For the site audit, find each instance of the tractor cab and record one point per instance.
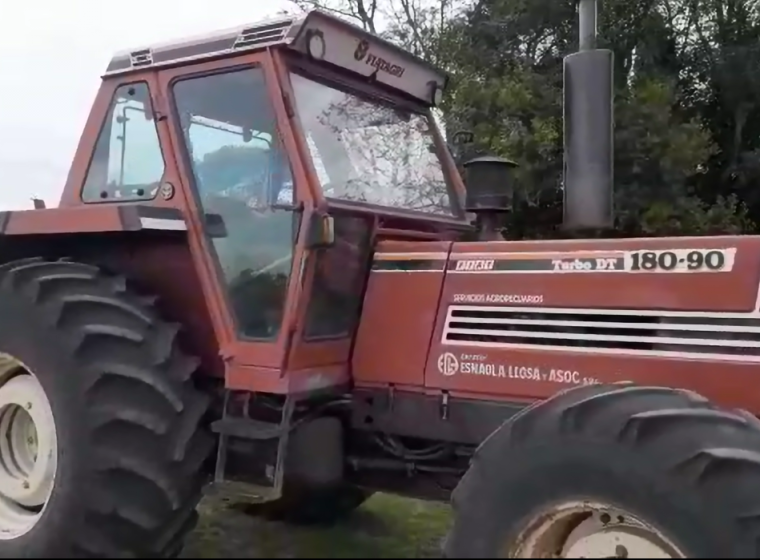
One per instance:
(292, 147)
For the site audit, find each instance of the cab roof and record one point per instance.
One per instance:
(317, 34)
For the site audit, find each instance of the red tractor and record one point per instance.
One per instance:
(257, 282)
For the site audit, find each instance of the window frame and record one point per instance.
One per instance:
(365, 253)
(109, 115)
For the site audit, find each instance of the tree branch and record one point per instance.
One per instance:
(351, 9)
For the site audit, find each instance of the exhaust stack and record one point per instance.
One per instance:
(588, 129)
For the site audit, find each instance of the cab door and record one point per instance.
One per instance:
(327, 312)
(229, 125)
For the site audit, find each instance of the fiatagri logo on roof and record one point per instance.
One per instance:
(363, 54)
(332, 41)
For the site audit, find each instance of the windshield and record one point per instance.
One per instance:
(368, 152)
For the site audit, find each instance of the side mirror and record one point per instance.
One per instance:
(215, 226)
(321, 232)
(462, 137)
(460, 142)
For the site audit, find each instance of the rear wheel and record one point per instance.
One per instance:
(101, 444)
(606, 472)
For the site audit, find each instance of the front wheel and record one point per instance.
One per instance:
(613, 472)
(101, 435)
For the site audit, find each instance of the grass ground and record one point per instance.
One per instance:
(385, 527)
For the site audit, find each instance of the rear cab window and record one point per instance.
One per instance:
(127, 163)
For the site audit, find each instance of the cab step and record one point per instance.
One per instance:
(247, 428)
(251, 453)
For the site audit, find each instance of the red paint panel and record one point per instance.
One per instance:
(84, 219)
(734, 291)
(504, 371)
(726, 383)
(399, 316)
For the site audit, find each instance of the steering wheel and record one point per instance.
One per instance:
(226, 205)
(236, 213)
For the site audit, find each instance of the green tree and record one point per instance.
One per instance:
(508, 89)
(720, 52)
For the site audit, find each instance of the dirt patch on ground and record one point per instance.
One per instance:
(385, 527)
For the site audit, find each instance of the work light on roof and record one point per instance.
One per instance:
(316, 44)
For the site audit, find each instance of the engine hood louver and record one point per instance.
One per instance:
(606, 331)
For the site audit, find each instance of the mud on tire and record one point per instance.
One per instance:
(131, 445)
(666, 456)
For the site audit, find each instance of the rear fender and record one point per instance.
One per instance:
(147, 244)
(92, 219)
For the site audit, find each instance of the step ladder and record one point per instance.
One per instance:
(254, 474)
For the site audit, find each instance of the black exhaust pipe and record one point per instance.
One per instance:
(588, 129)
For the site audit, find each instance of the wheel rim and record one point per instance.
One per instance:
(589, 530)
(28, 449)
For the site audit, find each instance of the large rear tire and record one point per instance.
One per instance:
(117, 462)
(613, 471)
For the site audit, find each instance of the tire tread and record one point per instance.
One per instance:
(87, 307)
(692, 441)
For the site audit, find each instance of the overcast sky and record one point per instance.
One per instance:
(51, 57)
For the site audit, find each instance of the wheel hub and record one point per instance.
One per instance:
(590, 530)
(614, 535)
(28, 451)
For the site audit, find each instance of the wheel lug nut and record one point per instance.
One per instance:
(26, 485)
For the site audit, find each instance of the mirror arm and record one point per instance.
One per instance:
(297, 207)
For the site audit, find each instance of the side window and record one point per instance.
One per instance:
(339, 280)
(127, 163)
(241, 172)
